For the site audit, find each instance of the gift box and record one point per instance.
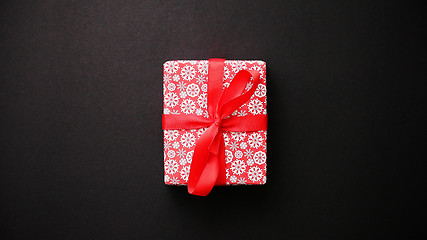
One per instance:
(191, 90)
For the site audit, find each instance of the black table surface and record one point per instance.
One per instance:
(81, 103)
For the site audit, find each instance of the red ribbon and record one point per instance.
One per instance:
(208, 164)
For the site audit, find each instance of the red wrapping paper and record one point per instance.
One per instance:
(185, 93)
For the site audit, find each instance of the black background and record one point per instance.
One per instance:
(81, 103)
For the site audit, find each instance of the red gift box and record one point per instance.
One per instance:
(187, 86)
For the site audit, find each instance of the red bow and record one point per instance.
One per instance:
(208, 164)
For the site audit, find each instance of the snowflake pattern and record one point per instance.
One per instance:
(238, 154)
(185, 93)
(228, 156)
(260, 157)
(188, 140)
(171, 166)
(170, 135)
(171, 99)
(236, 66)
(189, 156)
(185, 172)
(202, 100)
(203, 67)
(193, 90)
(255, 174)
(171, 153)
(182, 86)
(188, 106)
(261, 90)
(188, 73)
(255, 107)
(255, 140)
(238, 167)
(175, 78)
(238, 136)
(171, 67)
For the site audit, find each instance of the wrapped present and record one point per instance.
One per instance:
(214, 123)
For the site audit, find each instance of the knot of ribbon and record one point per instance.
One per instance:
(208, 164)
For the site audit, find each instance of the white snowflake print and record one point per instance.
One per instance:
(174, 181)
(166, 111)
(226, 139)
(193, 90)
(249, 153)
(202, 100)
(171, 99)
(225, 85)
(167, 146)
(188, 106)
(167, 178)
(226, 73)
(171, 67)
(171, 166)
(255, 140)
(238, 154)
(204, 87)
(200, 79)
(241, 181)
(176, 78)
(255, 174)
(255, 107)
(185, 172)
(203, 67)
(200, 131)
(249, 85)
(241, 113)
(238, 136)
(171, 153)
(188, 140)
(228, 156)
(175, 145)
(199, 112)
(171, 87)
(167, 79)
(233, 146)
(183, 94)
(243, 145)
(261, 90)
(170, 135)
(189, 157)
(206, 115)
(181, 153)
(181, 86)
(188, 73)
(182, 161)
(174, 112)
(260, 157)
(227, 174)
(237, 66)
(238, 167)
(250, 162)
(264, 179)
(233, 179)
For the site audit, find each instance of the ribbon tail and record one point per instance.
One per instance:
(221, 179)
(204, 166)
